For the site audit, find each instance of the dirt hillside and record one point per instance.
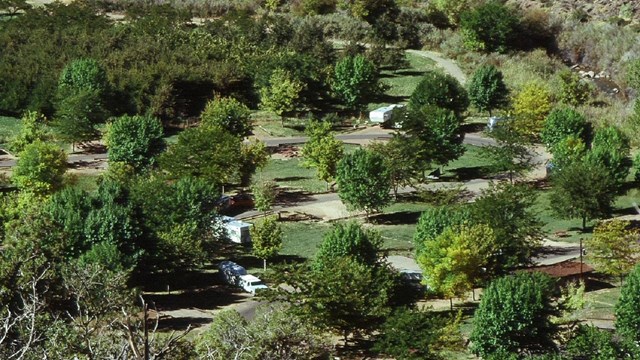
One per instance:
(628, 10)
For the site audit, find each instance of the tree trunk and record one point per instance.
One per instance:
(264, 264)
(451, 303)
(584, 223)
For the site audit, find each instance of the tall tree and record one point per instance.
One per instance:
(582, 190)
(610, 148)
(282, 94)
(510, 153)
(266, 239)
(355, 81)
(514, 316)
(614, 248)
(40, 168)
(441, 90)
(229, 114)
(452, 263)
(628, 307)
(435, 220)
(210, 153)
(398, 154)
(363, 181)
(497, 37)
(33, 129)
(508, 210)
(264, 193)
(134, 140)
(253, 156)
(531, 106)
(349, 240)
(563, 122)
(322, 151)
(487, 90)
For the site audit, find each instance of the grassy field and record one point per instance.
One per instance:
(471, 165)
(289, 174)
(302, 239)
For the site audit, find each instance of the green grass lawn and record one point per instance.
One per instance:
(288, 173)
(302, 238)
(266, 123)
(471, 165)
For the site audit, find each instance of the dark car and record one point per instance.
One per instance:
(244, 201)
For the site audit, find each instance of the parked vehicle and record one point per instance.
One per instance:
(237, 231)
(494, 122)
(244, 201)
(251, 284)
(223, 203)
(231, 272)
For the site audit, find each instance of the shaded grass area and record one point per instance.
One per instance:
(471, 165)
(289, 173)
(266, 123)
(402, 82)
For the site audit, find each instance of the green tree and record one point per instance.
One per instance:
(282, 95)
(497, 37)
(264, 193)
(33, 129)
(322, 151)
(610, 149)
(508, 210)
(452, 263)
(435, 220)
(253, 156)
(567, 151)
(531, 106)
(266, 239)
(441, 90)
(614, 248)
(410, 334)
(561, 123)
(228, 114)
(487, 90)
(363, 181)
(628, 307)
(514, 316)
(510, 153)
(210, 153)
(349, 240)
(582, 190)
(13, 7)
(590, 342)
(398, 154)
(573, 90)
(134, 140)
(452, 9)
(40, 168)
(355, 81)
(276, 332)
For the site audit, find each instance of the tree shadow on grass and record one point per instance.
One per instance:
(205, 299)
(470, 172)
(290, 198)
(396, 218)
(291, 178)
(391, 99)
(179, 280)
(473, 128)
(625, 211)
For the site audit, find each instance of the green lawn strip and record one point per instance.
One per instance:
(472, 164)
(289, 174)
(301, 238)
(267, 124)
(599, 305)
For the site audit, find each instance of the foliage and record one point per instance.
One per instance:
(487, 90)
(253, 156)
(441, 90)
(573, 90)
(452, 263)
(40, 168)
(508, 210)
(363, 181)
(266, 238)
(355, 81)
(567, 151)
(435, 220)
(610, 149)
(582, 190)
(77, 116)
(80, 75)
(633, 74)
(398, 154)
(452, 9)
(283, 93)
(275, 333)
(264, 194)
(410, 334)
(590, 342)
(348, 240)
(228, 114)
(210, 153)
(628, 307)
(488, 27)
(563, 122)
(134, 140)
(33, 129)
(510, 153)
(614, 249)
(531, 106)
(514, 316)
(322, 151)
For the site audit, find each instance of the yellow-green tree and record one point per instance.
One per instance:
(267, 239)
(530, 107)
(453, 261)
(282, 94)
(614, 247)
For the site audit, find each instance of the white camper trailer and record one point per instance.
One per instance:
(383, 114)
(237, 231)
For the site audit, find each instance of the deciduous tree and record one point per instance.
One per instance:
(574, 91)
(228, 114)
(563, 122)
(40, 168)
(441, 90)
(497, 37)
(134, 140)
(531, 106)
(349, 240)
(33, 129)
(610, 149)
(282, 94)
(510, 153)
(266, 238)
(355, 81)
(487, 90)
(264, 194)
(628, 307)
(363, 181)
(614, 248)
(322, 151)
(253, 156)
(514, 316)
(434, 221)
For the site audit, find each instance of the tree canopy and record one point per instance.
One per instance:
(135, 140)
(497, 36)
(363, 181)
(487, 90)
(441, 90)
(40, 168)
(355, 81)
(228, 114)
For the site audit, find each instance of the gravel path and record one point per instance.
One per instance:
(448, 65)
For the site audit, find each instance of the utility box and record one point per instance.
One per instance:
(237, 231)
